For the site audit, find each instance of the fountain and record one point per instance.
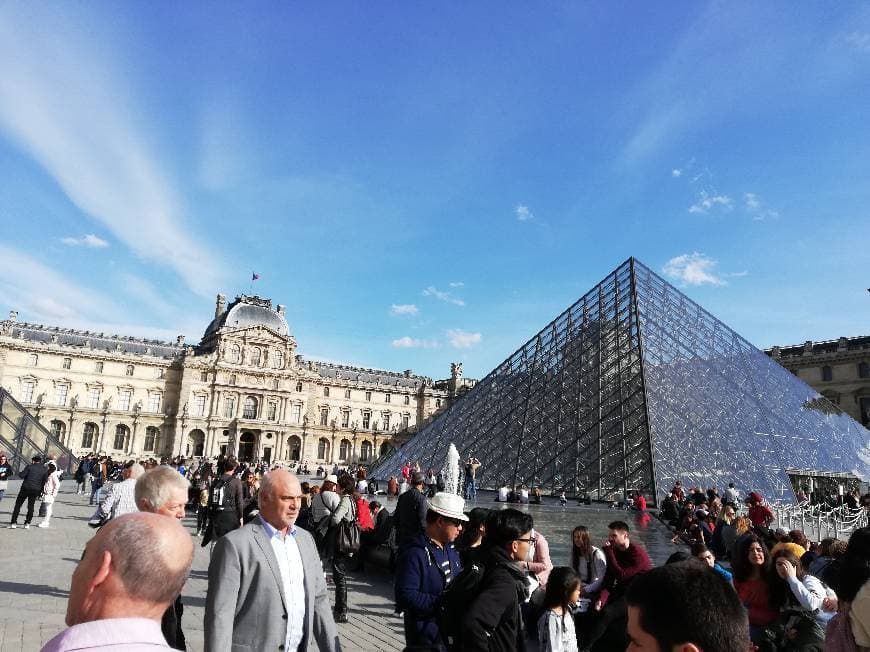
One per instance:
(450, 471)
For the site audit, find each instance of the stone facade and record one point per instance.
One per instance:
(243, 389)
(837, 369)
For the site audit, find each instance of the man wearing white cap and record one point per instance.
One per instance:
(426, 566)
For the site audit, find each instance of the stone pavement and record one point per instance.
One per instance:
(38, 565)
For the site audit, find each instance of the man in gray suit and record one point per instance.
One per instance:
(266, 589)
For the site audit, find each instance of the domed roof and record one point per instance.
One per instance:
(245, 312)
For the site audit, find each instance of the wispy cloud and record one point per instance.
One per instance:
(858, 40)
(64, 106)
(676, 173)
(523, 213)
(460, 339)
(87, 240)
(693, 269)
(442, 296)
(457, 284)
(411, 343)
(756, 208)
(404, 309)
(706, 202)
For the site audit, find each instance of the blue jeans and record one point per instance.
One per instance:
(470, 490)
(96, 490)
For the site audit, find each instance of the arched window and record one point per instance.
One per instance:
(385, 448)
(299, 386)
(827, 373)
(129, 370)
(322, 448)
(250, 411)
(365, 451)
(58, 429)
(278, 360)
(196, 442)
(344, 450)
(256, 355)
(89, 435)
(32, 360)
(151, 434)
(121, 434)
(295, 445)
(863, 370)
(234, 353)
(326, 392)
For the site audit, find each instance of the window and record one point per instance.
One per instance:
(344, 450)
(299, 386)
(863, 370)
(405, 420)
(407, 400)
(234, 353)
(324, 416)
(827, 373)
(250, 411)
(89, 435)
(387, 398)
(161, 374)
(98, 367)
(345, 418)
(326, 392)
(129, 370)
(437, 402)
(233, 379)
(229, 407)
(32, 360)
(67, 363)
(365, 451)
(276, 383)
(58, 429)
(94, 397)
(199, 405)
(368, 396)
(273, 411)
(150, 438)
(322, 448)
(278, 360)
(256, 355)
(367, 419)
(154, 402)
(121, 432)
(347, 393)
(203, 376)
(296, 413)
(295, 448)
(386, 421)
(124, 397)
(60, 393)
(27, 388)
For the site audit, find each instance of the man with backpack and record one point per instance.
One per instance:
(425, 568)
(225, 503)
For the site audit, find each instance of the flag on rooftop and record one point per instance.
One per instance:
(255, 276)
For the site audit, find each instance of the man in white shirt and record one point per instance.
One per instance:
(732, 495)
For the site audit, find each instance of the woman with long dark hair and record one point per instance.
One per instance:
(800, 597)
(750, 563)
(588, 562)
(854, 589)
(469, 540)
(346, 511)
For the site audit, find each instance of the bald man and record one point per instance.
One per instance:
(266, 589)
(128, 575)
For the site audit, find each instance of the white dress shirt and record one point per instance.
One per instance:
(292, 579)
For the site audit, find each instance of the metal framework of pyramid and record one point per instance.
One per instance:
(633, 387)
(22, 437)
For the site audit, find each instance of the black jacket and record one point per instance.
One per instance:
(493, 622)
(34, 476)
(410, 515)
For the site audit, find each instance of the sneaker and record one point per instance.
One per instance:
(340, 618)
(27, 526)
(42, 525)
(12, 526)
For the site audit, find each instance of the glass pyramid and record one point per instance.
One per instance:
(633, 387)
(22, 437)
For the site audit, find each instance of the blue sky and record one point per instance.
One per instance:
(429, 183)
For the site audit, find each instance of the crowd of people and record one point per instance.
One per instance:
(480, 579)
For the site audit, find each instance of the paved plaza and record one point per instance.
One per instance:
(38, 565)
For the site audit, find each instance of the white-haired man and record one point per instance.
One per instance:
(129, 573)
(163, 490)
(266, 589)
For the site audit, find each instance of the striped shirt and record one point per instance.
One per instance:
(120, 499)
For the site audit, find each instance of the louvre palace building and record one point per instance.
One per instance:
(242, 389)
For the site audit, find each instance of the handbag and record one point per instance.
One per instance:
(348, 535)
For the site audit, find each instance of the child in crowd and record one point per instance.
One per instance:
(556, 631)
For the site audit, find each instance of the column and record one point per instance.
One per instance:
(302, 448)
(132, 437)
(179, 435)
(69, 435)
(102, 437)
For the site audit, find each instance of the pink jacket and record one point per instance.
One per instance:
(50, 488)
(540, 563)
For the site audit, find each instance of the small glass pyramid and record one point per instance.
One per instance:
(633, 387)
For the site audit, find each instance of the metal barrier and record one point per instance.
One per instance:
(820, 520)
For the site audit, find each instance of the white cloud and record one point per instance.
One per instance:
(693, 269)
(457, 284)
(859, 40)
(676, 173)
(404, 309)
(460, 339)
(63, 105)
(752, 202)
(706, 202)
(87, 240)
(410, 343)
(442, 296)
(523, 213)
(755, 207)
